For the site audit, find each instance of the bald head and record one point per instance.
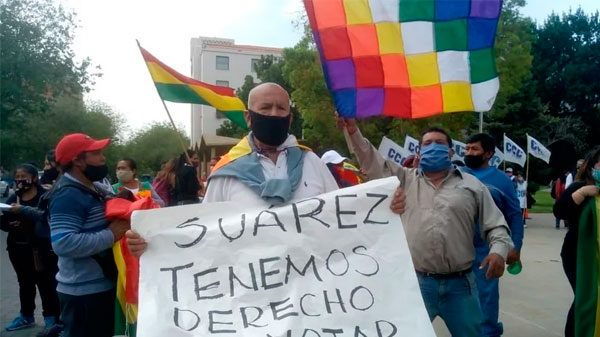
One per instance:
(269, 99)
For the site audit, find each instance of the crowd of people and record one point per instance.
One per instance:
(463, 223)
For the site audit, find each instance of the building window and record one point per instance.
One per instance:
(254, 65)
(221, 114)
(223, 62)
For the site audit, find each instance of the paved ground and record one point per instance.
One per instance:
(533, 304)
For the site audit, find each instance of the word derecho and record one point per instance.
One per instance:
(316, 267)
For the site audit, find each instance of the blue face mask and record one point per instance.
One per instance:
(435, 158)
(596, 175)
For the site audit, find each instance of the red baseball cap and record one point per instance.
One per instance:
(70, 146)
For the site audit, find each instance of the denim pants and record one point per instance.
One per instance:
(455, 300)
(488, 295)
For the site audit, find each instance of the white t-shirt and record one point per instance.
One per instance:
(522, 193)
(316, 179)
(568, 180)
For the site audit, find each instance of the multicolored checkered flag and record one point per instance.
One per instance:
(407, 58)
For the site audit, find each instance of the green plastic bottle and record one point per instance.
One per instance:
(515, 268)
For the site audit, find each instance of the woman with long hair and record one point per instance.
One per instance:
(164, 183)
(32, 257)
(572, 206)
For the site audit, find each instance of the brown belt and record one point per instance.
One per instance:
(445, 275)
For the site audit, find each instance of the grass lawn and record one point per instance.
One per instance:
(544, 202)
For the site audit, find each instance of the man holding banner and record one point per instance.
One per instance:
(480, 149)
(267, 167)
(442, 206)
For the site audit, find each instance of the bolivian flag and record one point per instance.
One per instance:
(587, 300)
(128, 265)
(174, 87)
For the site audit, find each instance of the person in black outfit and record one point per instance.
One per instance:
(569, 207)
(31, 256)
(187, 184)
(51, 172)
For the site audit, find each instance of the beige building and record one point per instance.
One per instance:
(221, 62)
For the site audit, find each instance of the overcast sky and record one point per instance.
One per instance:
(108, 30)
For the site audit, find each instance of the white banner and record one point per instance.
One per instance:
(388, 149)
(497, 158)
(411, 145)
(459, 150)
(514, 153)
(334, 265)
(538, 150)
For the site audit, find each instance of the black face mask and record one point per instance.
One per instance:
(474, 161)
(23, 185)
(95, 173)
(50, 175)
(271, 130)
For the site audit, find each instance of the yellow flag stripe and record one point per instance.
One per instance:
(223, 103)
(160, 75)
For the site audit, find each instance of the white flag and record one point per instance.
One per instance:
(411, 144)
(388, 149)
(513, 153)
(497, 158)
(538, 150)
(459, 150)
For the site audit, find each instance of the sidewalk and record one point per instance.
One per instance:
(533, 303)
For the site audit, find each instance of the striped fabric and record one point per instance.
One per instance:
(174, 87)
(587, 296)
(127, 265)
(241, 149)
(79, 230)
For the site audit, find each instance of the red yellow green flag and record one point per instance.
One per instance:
(127, 265)
(587, 301)
(242, 148)
(174, 87)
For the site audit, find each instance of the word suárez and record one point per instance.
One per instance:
(273, 218)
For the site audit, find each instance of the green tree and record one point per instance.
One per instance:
(38, 72)
(150, 154)
(565, 68)
(40, 133)
(514, 41)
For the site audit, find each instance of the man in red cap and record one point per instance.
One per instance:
(82, 238)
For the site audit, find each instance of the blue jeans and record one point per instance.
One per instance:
(488, 295)
(455, 300)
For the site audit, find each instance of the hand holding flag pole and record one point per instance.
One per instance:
(346, 135)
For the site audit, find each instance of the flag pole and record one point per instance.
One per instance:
(348, 141)
(527, 170)
(480, 121)
(181, 142)
(504, 142)
(346, 135)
